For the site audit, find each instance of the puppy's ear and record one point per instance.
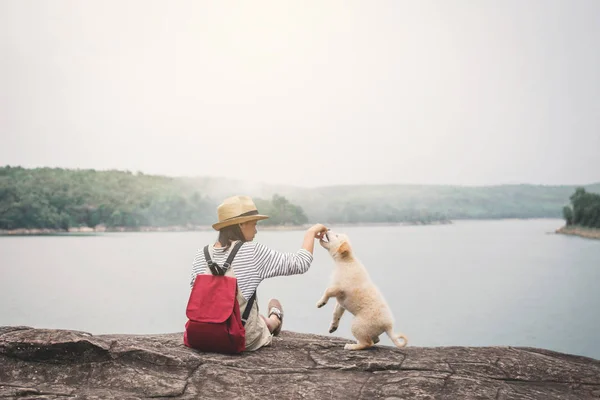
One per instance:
(344, 250)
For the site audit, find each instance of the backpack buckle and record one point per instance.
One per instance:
(226, 265)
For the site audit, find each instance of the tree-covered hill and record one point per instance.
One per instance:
(57, 198)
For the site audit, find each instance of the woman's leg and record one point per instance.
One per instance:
(275, 317)
(272, 322)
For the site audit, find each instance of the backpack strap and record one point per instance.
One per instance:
(249, 305)
(214, 267)
(234, 251)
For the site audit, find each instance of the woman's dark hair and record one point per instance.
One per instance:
(229, 234)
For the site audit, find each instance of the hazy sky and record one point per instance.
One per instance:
(308, 92)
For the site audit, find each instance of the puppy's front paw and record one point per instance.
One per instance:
(321, 303)
(332, 328)
(348, 346)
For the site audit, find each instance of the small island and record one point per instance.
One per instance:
(582, 217)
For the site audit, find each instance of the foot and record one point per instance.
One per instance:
(321, 303)
(357, 346)
(333, 328)
(276, 309)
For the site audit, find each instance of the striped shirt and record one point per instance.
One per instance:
(253, 263)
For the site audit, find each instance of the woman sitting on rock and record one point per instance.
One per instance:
(253, 263)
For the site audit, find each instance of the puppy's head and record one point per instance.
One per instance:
(337, 244)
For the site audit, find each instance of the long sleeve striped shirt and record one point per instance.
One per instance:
(253, 263)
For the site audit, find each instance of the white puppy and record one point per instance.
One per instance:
(355, 292)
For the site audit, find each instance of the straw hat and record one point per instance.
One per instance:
(236, 210)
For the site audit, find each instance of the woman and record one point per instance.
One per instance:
(253, 263)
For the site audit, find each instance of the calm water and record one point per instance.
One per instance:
(473, 283)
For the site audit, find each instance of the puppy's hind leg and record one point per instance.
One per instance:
(360, 330)
(337, 314)
(358, 346)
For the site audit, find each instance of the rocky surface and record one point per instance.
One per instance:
(60, 364)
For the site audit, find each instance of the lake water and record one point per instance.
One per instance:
(472, 283)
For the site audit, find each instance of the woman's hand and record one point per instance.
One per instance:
(318, 230)
(314, 232)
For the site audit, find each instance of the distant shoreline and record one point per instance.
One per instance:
(581, 231)
(197, 228)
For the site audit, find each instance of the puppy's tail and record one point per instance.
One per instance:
(396, 338)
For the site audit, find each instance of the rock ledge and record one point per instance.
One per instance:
(62, 364)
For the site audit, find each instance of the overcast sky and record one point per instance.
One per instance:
(306, 93)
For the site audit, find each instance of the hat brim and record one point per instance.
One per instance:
(238, 220)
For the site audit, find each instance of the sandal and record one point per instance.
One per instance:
(275, 308)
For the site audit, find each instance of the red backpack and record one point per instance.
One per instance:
(213, 312)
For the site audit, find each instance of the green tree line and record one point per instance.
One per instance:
(62, 198)
(54, 198)
(59, 199)
(281, 211)
(584, 209)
